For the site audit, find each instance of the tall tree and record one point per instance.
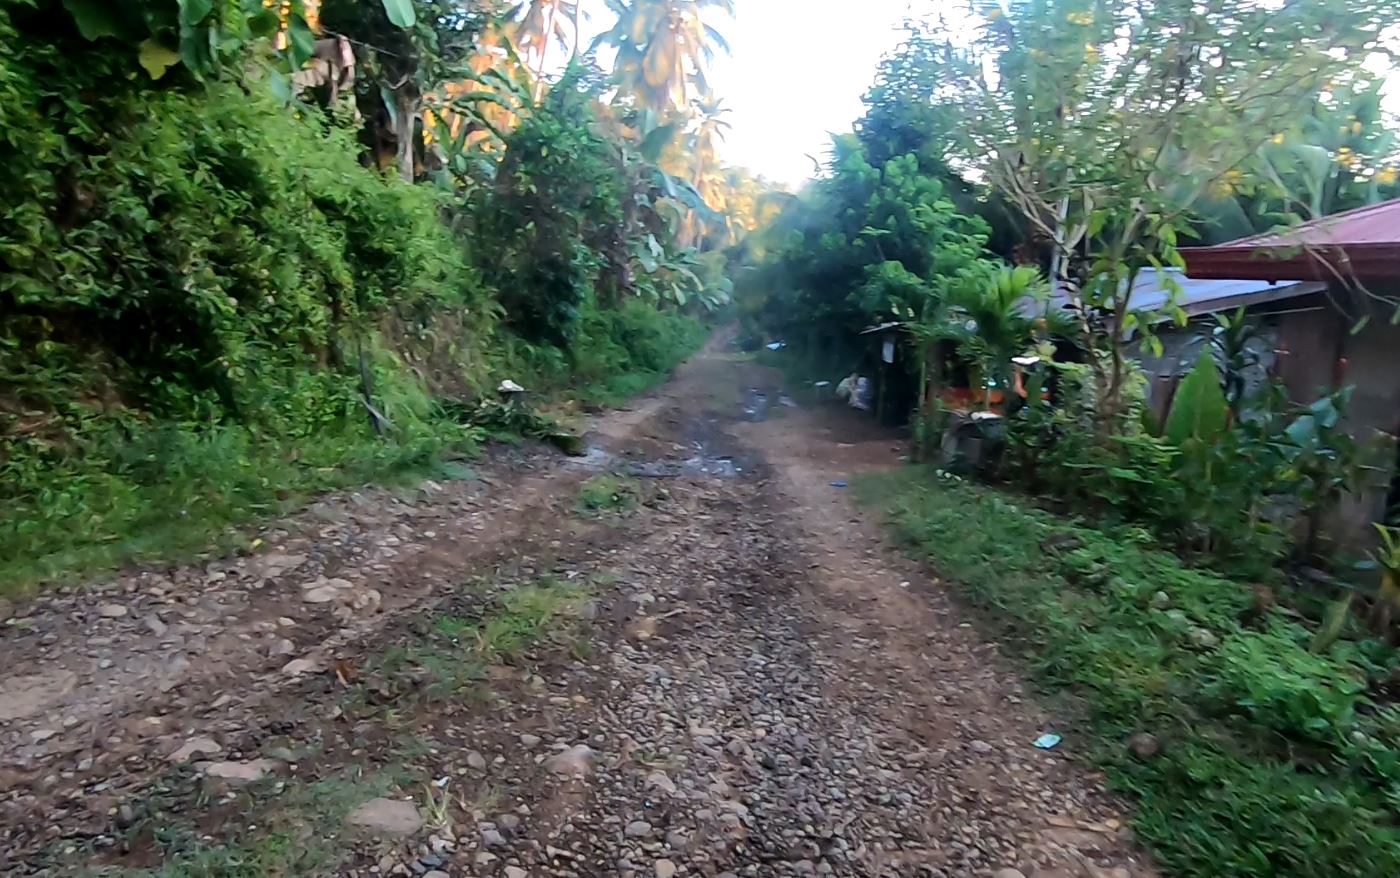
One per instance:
(1339, 155)
(706, 170)
(709, 133)
(664, 49)
(1106, 123)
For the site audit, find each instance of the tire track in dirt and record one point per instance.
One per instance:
(100, 684)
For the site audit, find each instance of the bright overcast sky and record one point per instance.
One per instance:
(796, 74)
(797, 70)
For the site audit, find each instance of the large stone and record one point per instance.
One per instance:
(281, 647)
(389, 816)
(1144, 745)
(363, 600)
(321, 594)
(665, 869)
(278, 563)
(195, 747)
(29, 694)
(111, 611)
(297, 667)
(1202, 638)
(241, 772)
(577, 761)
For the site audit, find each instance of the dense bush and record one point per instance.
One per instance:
(191, 316)
(194, 246)
(615, 352)
(1274, 759)
(869, 243)
(557, 185)
(210, 307)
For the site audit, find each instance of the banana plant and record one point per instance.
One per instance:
(468, 118)
(1387, 559)
(1322, 461)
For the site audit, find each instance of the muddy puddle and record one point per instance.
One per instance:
(711, 452)
(702, 463)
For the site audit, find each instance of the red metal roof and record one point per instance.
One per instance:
(1361, 244)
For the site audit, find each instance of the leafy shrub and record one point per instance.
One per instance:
(615, 353)
(1205, 492)
(1285, 689)
(1273, 760)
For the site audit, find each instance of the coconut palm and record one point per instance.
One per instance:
(709, 133)
(706, 171)
(543, 22)
(664, 49)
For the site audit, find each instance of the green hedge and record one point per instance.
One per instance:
(1274, 760)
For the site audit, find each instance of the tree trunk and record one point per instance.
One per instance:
(538, 90)
(406, 130)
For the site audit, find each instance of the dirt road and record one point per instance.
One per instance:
(719, 669)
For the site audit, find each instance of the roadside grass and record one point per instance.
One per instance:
(298, 833)
(280, 827)
(618, 389)
(609, 494)
(520, 619)
(176, 496)
(1272, 759)
(169, 493)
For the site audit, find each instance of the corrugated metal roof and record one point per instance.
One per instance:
(1153, 288)
(1372, 224)
(1361, 244)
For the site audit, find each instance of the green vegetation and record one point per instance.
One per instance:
(213, 304)
(1012, 179)
(525, 616)
(451, 653)
(291, 833)
(1273, 758)
(609, 494)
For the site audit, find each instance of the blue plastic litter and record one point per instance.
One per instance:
(1047, 741)
(838, 484)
